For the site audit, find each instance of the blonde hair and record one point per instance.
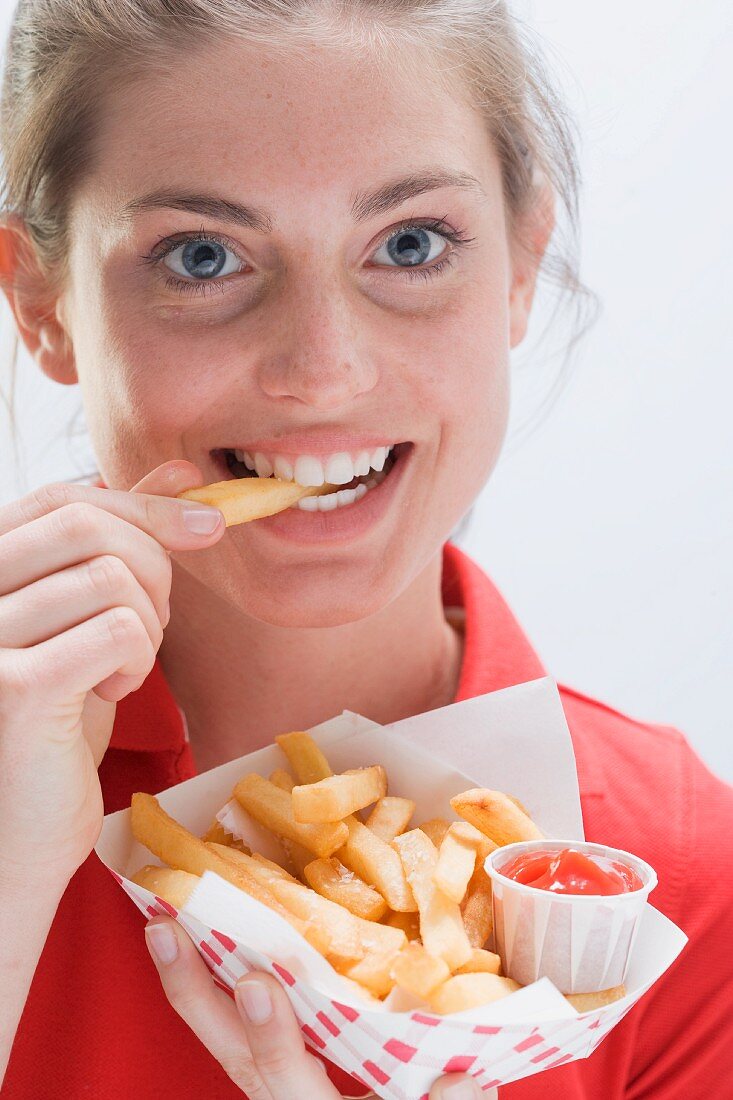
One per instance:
(63, 57)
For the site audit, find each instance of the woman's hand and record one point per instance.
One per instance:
(256, 1038)
(85, 580)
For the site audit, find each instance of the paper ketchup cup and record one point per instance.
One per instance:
(581, 942)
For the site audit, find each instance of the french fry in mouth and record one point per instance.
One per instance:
(244, 499)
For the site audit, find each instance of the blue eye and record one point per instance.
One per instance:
(202, 259)
(410, 247)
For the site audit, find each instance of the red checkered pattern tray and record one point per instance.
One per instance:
(398, 1055)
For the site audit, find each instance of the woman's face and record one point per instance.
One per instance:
(261, 261)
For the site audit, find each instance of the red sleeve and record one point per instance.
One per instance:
(684, 1038)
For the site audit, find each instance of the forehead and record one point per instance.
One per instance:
(276, 127)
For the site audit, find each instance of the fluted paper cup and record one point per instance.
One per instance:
(581, 942)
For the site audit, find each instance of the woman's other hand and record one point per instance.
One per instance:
(85, 578)
(256, 1038)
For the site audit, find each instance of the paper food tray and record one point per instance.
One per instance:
(514, 740)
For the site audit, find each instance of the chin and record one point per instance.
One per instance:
(306, 594)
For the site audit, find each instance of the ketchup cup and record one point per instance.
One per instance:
(581, 942)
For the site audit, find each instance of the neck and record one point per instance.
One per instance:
(240, 682)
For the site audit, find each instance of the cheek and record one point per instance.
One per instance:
(467, 387)
(145, 393)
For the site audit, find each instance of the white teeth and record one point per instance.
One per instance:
(283, 469)
(340, 469)
(308, 471)
(361, 466)
(360, 490)
(378, 458)
(346, 496)
(308, 504)
(262, 465)
(327, 503)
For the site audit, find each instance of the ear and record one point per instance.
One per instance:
(532, 236)
(34, 302)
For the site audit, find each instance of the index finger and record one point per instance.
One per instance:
(150, 505)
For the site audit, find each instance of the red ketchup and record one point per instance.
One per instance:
(572, 872)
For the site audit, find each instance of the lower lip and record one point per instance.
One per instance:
(341, 525)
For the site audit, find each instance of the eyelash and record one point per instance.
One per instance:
(201, 286)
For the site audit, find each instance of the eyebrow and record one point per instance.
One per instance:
(365, 205)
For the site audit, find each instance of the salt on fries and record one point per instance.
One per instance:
(247, 498)
(389, 906)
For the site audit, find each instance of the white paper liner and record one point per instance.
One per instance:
(514, 740)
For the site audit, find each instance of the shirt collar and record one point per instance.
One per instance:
(496, 654)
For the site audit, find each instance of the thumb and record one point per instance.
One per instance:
(97, 719)
(460, 1087)
(170, 478)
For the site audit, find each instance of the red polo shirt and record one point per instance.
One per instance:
(98, 1025)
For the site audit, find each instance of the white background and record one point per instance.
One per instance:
(609, 525)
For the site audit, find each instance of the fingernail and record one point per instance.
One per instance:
(460, 1090)
(201, 521)
(162, 942)
(255, 1000)
(167, 613)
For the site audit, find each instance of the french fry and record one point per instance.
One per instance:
(218, 835)
(337, 796)
(477, 909)
(441, 926)
(305, 757)
(494, 814)
(170, 841)
(247, 498)
(378, 864)
(418, 972)
(172, 886)
(351, 937)
(374, 971)
(469, 991)
(473, 838)
(390, 817)
(481, 962)
(304, 903)
(272, 807)
(276, 868)
(455, 866)
(408, 922)
(332, 880)
(589, 1002)
(298, 856)
(435, 829)
(380, 938)
(282, 779)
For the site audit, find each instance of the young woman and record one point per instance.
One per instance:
(301, 238)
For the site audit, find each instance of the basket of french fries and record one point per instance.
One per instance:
(403, 905)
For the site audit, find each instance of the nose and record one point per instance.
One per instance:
(322, 359)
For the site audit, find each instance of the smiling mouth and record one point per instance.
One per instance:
(356, 474)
